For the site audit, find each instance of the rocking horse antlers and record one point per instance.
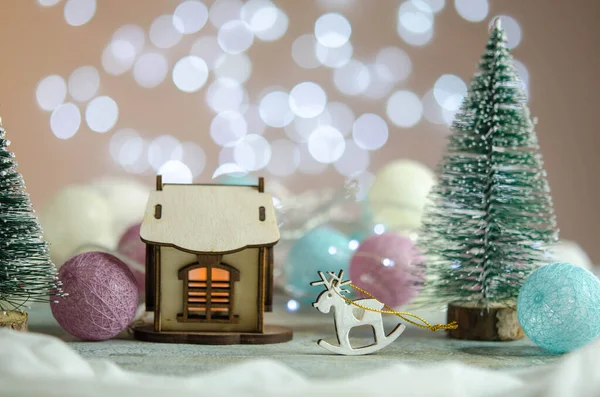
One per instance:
(335, 282)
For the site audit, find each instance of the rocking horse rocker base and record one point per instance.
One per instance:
(369, 349)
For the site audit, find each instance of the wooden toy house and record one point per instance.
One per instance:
(209, 264)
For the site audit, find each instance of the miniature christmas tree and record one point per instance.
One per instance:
(26, 272)
(490, 217)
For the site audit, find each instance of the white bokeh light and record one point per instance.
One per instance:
(194, 157)
(326, 144)
(252, 153)
(120, 54)
(332, 30)
(370, 131)
(352, 79)
(165, 31)
(51, 92)
(304, 52)
(118, 57)
(162, 149)
(225, 94)
(79, 12)
(274, 109)
(285, 158)
(511, 28)
(472, 10)
(48, 3)
(308, 164)
(414, 39)
(292, 305)
(207, 48)
(235, 37)
(133, 34)
(191, 16)
(65, 120)
(342, 117)
(415, 16)
(404, 108)
(101, 114)
(237, 67)
(393, 64)
(301, 128)
(259, 15)
(378, 86)
(354, 160)
(127, 147)
(449, 91)
(190, 73)
(174, 171)
(150, 69)
(223, 11)
(84, 83)
(307, 99)
(435, 5)
(228, 128)
(415, 22)
(277, 30)
(334, 57)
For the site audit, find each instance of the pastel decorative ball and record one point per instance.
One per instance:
(133, 248)
(389, 267)
(74, 217)
(126, 198)
(323, 248)
(102, 296)
(559, 307)
(397, 197)
(237, 180)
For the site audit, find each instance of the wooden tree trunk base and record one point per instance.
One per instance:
(484, 323)
(14, 320)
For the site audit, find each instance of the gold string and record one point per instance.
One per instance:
(389, 310)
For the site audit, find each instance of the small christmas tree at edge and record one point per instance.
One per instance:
(26, 272)
(490, 218)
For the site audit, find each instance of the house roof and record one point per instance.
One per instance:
(210, 218)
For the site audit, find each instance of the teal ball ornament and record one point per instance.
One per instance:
(559, 307)
(323, 248)
(238, 180)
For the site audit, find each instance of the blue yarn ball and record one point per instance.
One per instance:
(322, 248)
(559, 307)
(237, 180)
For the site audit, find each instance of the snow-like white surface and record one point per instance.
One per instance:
(40, 365)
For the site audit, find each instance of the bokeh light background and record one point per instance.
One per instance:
(309, 93)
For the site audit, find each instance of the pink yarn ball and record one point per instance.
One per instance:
(388, 267)
(134, 249)
(102, 296)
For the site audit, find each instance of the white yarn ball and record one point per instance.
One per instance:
(398, 194)
(127, 199)
(571, 252)
(76, 216)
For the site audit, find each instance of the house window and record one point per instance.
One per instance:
(208, 292)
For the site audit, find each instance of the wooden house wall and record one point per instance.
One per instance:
(247, 297)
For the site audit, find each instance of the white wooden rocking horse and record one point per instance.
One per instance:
(348, 316)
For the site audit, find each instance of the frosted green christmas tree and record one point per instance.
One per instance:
(26, 272)
(490, 218)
